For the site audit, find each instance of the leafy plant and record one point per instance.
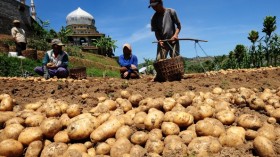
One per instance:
(106, 46)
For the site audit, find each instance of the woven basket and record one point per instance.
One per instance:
(30, 53)
(170, 69)
(78, 73)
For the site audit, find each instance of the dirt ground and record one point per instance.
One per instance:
(26, 90)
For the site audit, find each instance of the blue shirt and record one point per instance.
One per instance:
(127, 62)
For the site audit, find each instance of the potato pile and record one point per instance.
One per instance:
(186, 124)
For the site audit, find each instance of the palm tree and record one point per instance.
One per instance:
(269, 26)
(253, 37)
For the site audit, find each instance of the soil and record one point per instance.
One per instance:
(26, 90)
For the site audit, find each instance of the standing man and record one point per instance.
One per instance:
(18, 35)
(128, 63)
(163, 24)
(55, 62)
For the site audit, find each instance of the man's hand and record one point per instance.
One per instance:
(161, 43)
(125, 74)
(133, 67)
(174, 39)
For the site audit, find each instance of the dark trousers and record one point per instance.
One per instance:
(20, 47)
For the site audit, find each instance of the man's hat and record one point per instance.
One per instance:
(57, 42)
(128, 46)
(16, 21)
(154, 3)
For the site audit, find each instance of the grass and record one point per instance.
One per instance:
(97, 65)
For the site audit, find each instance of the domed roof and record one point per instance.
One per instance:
(79, 16)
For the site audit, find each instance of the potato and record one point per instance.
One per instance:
(73, 110)
(226, 117)
(187, 136)
(111, 141)
(171, 138)
(80, 129)
(122, 146)
(50, 127)
(156, 103)
(11, 148)
(256, 103)
(124, 131)
(264, 147)
(183, 119)
(184, 100)
(34, 120)
(276, 114)
(168, 104)
(4, 116)
(2, 96)
(137, 151)
(64, 120)
(34, 149)
(175, 147)
(268, 131)
(234, 136)
(178, 107)
(62, 105)
(103, 149)
(135, 99)
(91, 152)
(106, 130)
(125, 94)
(88, 144)
(155, 134)
(251, 134)
(30, 134)
(61, 136)
(249, 121)
(204, 146)
(54, 149)
(33, 106)
(205, 111)
(11, 132)
(153, 119)
(139, 137)
(125, 105)
(15, 120)
(106, 106)
(6, 104)
(103, 117)
(72, 153)
(154, 146)
(53, 110)
(221, 105)
(209, 127)
(170, 128)
(79, 147)
(139, 120)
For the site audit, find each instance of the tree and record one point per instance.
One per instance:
(269, 26)
(253, 37)
(240, 53)
(106, 46)
(64, 33)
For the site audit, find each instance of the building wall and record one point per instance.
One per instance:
(11, 10)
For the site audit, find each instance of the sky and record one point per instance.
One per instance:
(223, 23)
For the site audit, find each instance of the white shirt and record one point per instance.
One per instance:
(19, 34)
